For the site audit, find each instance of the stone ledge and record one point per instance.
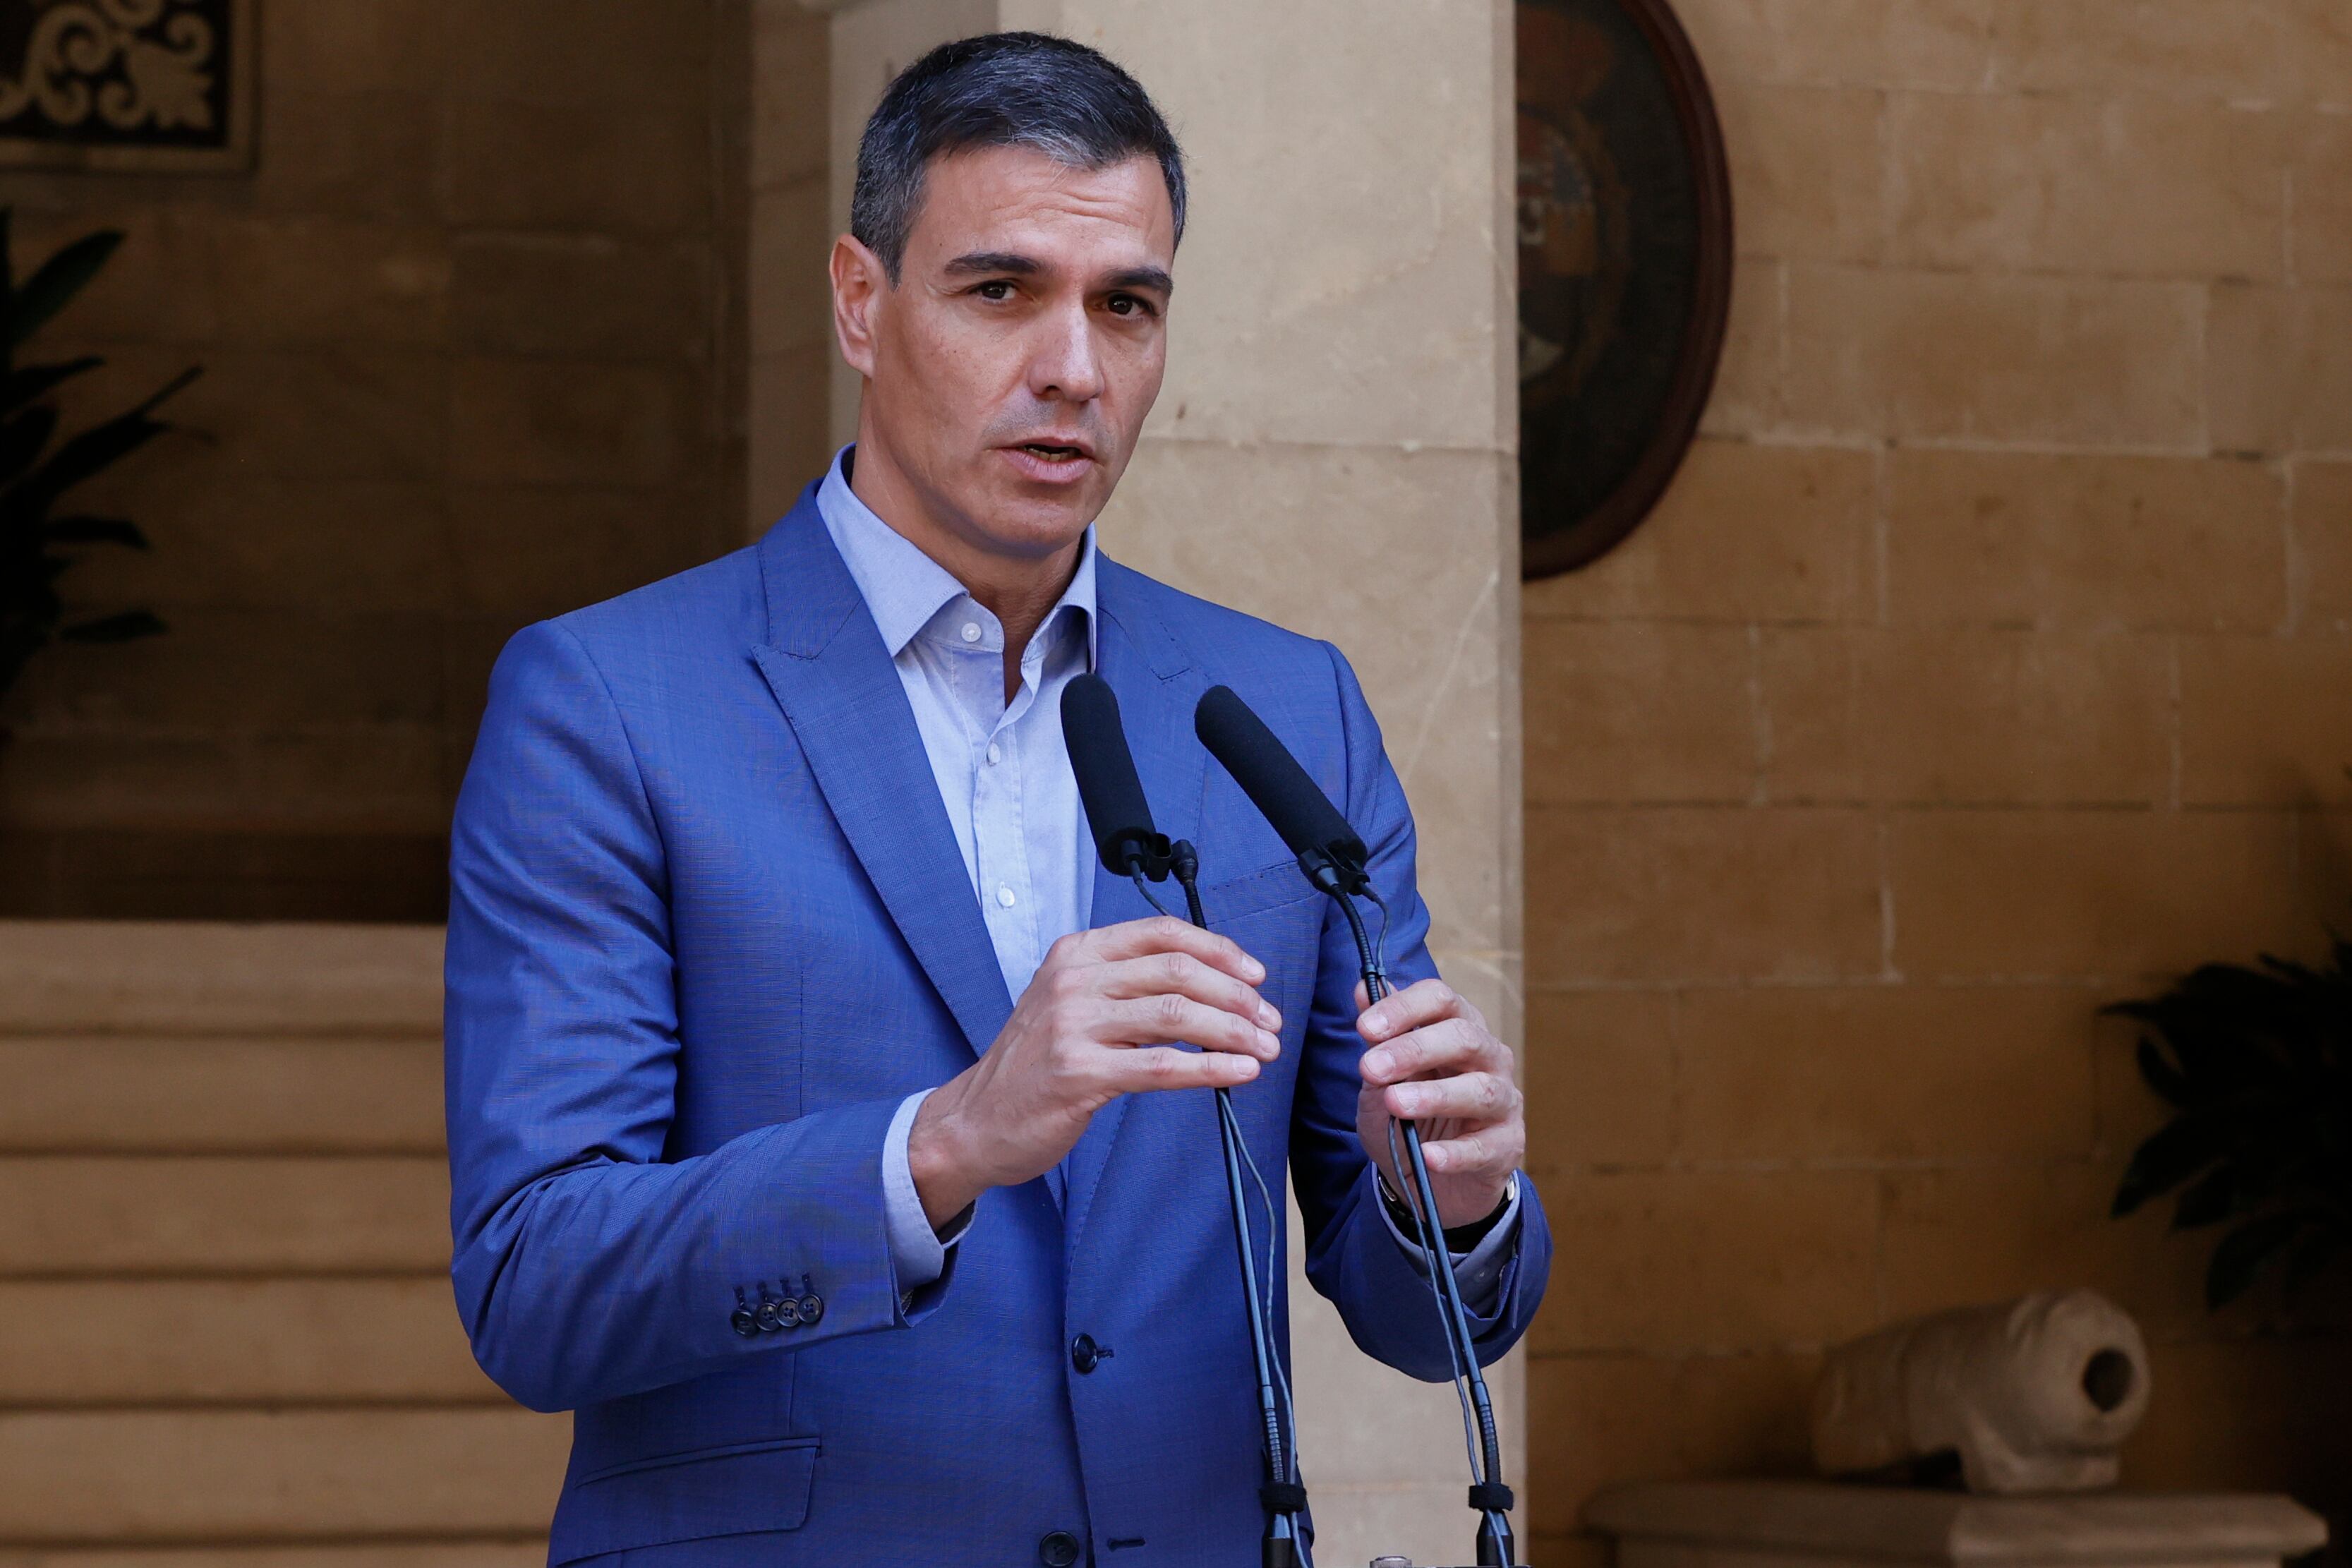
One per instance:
(1818, 1519)
(92, 976)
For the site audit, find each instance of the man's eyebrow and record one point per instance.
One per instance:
(993, 261)
(1143, 277)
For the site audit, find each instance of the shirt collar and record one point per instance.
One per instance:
(906, 589)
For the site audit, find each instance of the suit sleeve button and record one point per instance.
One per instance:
(811, 1308)
(746, 1321)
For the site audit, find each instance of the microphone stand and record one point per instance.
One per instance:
(1488, 1495)
(1282, 1495)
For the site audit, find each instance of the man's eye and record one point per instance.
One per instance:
(995, 288)
(1128, 305)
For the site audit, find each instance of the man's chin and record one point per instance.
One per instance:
(1036, 519)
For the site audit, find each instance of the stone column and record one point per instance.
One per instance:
(1335, 449)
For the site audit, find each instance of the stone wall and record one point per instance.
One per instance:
(1988, 662)
(472, 340)
(224, 1261)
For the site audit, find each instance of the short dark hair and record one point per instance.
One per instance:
(1053, 95)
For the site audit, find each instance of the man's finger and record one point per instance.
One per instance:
(1416, 1007)
(1181, 974)
(1153, 1067)
(1478, 1097)
(1495, 1149)
(1166, 933)
(1182, 1021)
(1450, 1044)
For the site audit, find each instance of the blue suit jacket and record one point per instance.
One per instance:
(709, 925)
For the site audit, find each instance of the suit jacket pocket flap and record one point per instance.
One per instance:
(735, 1490)
(1237, 899)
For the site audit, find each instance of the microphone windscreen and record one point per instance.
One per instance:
(1116, 810)
(1272, 777)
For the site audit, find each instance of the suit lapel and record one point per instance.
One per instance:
(1157, 689)
(827, 663)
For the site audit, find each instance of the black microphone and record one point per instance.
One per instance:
(1120, 816)
(1328, 850)
(1116, 808)
(1333, 854)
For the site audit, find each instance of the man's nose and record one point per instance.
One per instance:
(1064, 365)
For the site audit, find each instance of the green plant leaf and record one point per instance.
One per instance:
(2161, 1076)
(2209, 1201)
(21, 386)
(124, 627)
(2169, 1156)
(95, 531)
(56, 281)
(23, 440)
(2242, 1253)
(89, 452)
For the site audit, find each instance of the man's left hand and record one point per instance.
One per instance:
(1433, 1061)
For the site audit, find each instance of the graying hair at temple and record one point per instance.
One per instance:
(1003, 89)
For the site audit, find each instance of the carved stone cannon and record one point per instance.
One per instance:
(2034, 1394)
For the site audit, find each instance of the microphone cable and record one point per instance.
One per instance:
(1461, 1354)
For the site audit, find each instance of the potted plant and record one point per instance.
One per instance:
(39, 541)
(2257, 1066)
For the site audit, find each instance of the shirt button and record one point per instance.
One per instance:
(995, 755)
(972, 631)
(1005, 897)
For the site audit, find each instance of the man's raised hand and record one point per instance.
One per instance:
(1094, 1024)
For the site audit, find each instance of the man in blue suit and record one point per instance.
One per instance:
(822, 1123)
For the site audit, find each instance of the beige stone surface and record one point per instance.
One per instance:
(1975, 717)
(83, 1094)
(229, 1476)
(2321, 534)
(2278, 377)
(2039, 539)
(1820, 1521)
(110, 975)
(2014, 894)
(1806, 169)
(1883, 1074)
(1657, 893)
(1928, 356)
(2264, 722)
(1625, 712)
(78, 1214)
(2120, 187)
(2023, 483)
(1680, 1262)
(294, 1342)
(1609, 1079)
(1804, 548)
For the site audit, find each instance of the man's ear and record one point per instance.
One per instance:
(861, 288)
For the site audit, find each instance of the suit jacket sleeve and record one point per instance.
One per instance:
(1351, 1256)
(586, 1267)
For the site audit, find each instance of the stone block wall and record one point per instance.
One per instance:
(472, 337)
(224, 1261)
(1989, 661)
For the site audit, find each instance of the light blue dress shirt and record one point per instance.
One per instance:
(1011, 798)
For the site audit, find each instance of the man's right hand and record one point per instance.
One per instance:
(1086, 1031)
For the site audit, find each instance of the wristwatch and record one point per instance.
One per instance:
(1458, 1238)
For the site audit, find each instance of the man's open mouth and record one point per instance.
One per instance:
(1053, 452)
